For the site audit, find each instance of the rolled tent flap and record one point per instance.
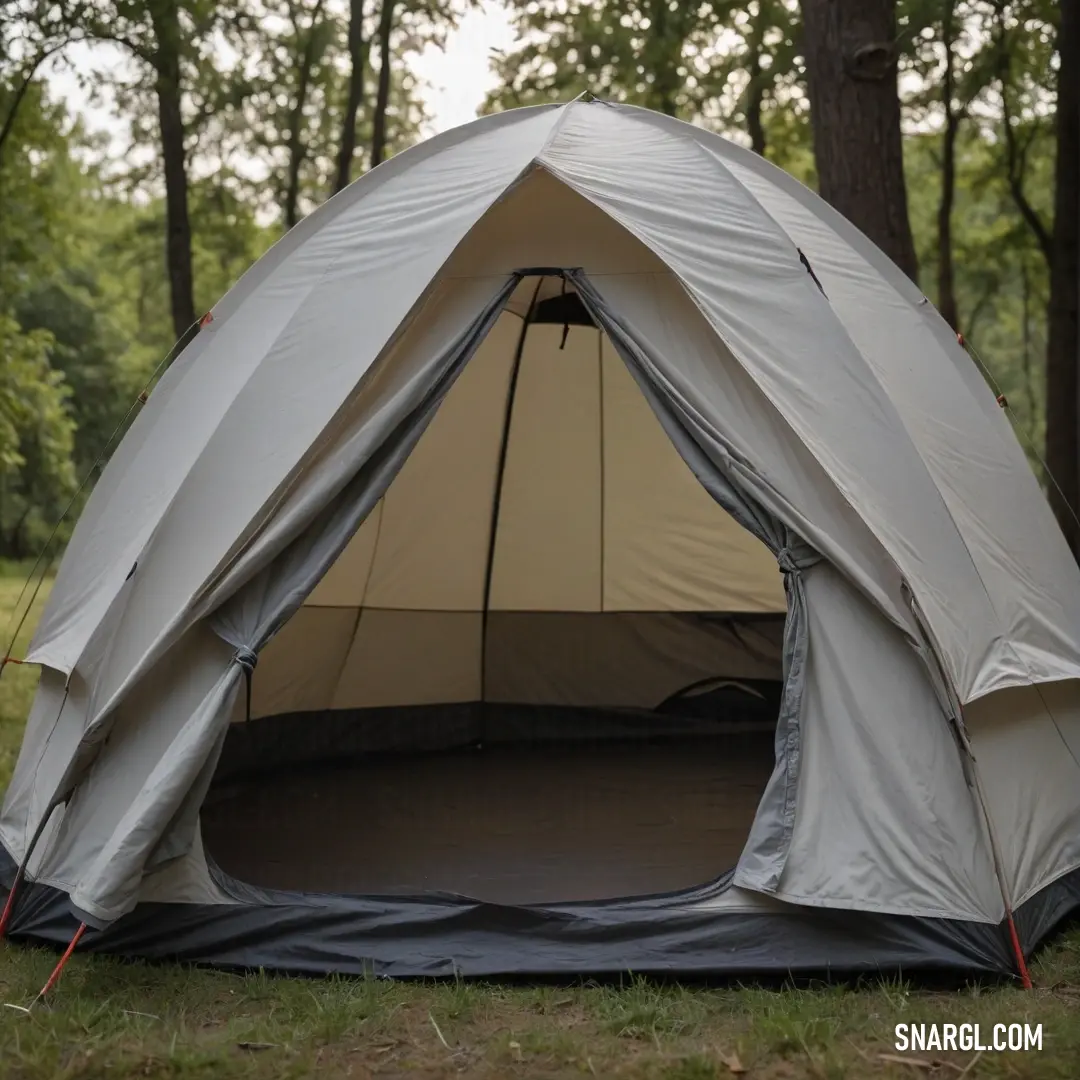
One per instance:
(766, 850)
(262, 589)
(763, 859)
(110, 887)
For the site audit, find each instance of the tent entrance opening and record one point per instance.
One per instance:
(545, 668)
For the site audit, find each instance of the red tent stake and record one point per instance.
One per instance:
(63, 960)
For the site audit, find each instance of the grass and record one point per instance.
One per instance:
(122, 1020)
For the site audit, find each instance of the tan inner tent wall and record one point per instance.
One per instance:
(603, 541)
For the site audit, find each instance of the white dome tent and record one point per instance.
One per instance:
(627, 568)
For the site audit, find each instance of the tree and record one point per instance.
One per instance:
(632, 50)
(291, 95)
(357, 53)
(851, 66)
(1063, 346)
(296, 94)
(755, 71)
(173, 41)
(731, 64)
(755, 90)
(405, 26)
(946, 288)
(944, 44)
(36, 438)
(36, 427)
(1026, 35)
(31, 31)
(165, 59)
(382, 95)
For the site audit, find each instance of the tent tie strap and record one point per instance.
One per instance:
(247, 660)
(796, 559)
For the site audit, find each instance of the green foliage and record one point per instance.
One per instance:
(1002, 282)
(291, 96)
(84, 297)
(1003, 73)
(36, 439)
(723, 53)
(718, 61)
(36, 426)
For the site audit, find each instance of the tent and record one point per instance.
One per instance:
(573, 548)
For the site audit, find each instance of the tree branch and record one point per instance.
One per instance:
(1016, 161)
(1016, 158)
(24, 86)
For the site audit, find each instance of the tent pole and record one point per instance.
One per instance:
(500, 469)
(20, 874)
(995, 851)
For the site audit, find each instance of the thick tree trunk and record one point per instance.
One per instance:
(1063, 338)
(382, 98)
(946, 286)
(850, 53)
(165, 17)
(357, 49)
(296, 148)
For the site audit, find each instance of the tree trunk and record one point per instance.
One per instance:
(850, 50)
(296, 147)
(1063, 338)
(382, 99)
(165, 17)
(946, 286)
(666, 51)
(1025, 338)
(755, 91)
(356, 93)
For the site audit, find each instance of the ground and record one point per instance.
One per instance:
(107, 1018)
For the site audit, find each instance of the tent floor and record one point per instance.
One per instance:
(515, 824)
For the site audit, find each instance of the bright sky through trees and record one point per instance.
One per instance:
(456, 79)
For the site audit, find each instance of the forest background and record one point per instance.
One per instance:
(947, 130)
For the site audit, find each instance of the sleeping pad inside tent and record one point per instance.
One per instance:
(546, 668)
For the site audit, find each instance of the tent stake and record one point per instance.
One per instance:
(1021, 963)
(60, 964)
